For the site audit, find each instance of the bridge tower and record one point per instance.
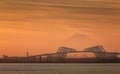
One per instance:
(62, 51)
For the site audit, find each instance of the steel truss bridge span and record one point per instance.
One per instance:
(99, 52)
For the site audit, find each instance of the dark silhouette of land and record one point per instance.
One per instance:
(100, 56)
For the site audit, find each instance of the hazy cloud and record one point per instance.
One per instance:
(26, 23)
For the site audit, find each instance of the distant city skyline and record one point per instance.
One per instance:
(41, 26)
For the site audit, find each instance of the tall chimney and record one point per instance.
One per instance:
(27, 54)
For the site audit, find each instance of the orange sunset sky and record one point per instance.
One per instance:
(41, 26)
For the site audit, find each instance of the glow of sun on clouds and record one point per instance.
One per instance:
(43, 26)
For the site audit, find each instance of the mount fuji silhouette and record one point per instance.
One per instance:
(79, 41)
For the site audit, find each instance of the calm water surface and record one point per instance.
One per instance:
(59, 68)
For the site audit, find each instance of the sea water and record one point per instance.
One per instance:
(59, 68)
